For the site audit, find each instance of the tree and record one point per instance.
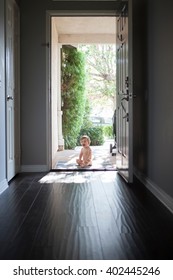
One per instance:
(73, 94)
(101, 72)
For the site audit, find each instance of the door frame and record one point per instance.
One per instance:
(49, 15)
(125, 157)
(130, 38)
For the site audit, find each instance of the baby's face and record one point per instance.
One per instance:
(84, 142)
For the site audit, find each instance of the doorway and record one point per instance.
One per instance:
(124, 13)
(75, 32)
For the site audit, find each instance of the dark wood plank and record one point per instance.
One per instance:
(82, 215)
(18, 202)
(72, 219)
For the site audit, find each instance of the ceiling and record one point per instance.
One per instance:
(85, 29)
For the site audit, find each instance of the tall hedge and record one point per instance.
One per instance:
(73, 94)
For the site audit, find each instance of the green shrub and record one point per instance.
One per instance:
(108, 131)
(94, 132)
(73, 94)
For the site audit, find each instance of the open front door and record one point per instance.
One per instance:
(124, 111)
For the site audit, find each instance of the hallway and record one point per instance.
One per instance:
(82, 215)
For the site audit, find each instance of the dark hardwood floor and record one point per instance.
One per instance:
(82, 215)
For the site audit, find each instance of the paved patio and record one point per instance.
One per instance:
(102, 158)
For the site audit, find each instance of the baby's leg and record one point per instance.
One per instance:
(79, 161)
(87, 163)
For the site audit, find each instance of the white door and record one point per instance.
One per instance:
(12, 88)
(124, 110)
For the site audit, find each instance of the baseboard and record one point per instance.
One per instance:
(34, 168)
(166, 199)
(3, 185)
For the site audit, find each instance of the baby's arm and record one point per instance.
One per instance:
(79, 160)
(81, 154)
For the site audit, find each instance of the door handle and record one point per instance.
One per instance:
(126, 117)
(125, 98)
(9, 97)
(124, 109)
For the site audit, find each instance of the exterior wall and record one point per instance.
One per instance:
(54, 89)
(3, 181)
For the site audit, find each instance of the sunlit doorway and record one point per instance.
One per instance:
(75, 32)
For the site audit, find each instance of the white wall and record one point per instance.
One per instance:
(54, 88)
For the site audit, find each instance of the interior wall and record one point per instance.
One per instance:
(140, 101)
(33, 86)
(153, 114)
(3, 181)
(160, 94)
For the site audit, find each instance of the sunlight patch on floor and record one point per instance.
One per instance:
(68, 177)
(77, 177)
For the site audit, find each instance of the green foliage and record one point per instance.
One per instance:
(101, 73)
(73, 94)
(94, 132)
(86, 119)
(108, 131)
